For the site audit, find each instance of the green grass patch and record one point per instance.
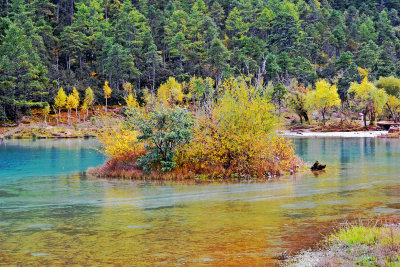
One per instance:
(357, 235)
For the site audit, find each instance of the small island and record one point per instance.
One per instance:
(233, 136)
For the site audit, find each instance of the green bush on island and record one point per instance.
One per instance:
(162, 130)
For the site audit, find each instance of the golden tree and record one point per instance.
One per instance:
(107, 92)
(72, 103)
(88, 101)
(60, 100)
(130, 97)
(45, 112)
(170, 92)
(368, 98)
(75, 93)
(393, 107)
(323, 98)
(131, 101)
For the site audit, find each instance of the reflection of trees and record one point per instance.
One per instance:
(22, 158)
(369, 147)
(123, 224)
(301, 147)
(62, 143)
(344, 154)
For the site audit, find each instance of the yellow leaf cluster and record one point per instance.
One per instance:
(243, 112)
(324, 97)
(89, 98)
(118, 142)
(147, 96)
(390, 84)
(46, 110)
(128, 88)
(75, 93)
(393, 104)
(170, 92)
(131, 101)
(238, 137)
(368, 96)
(61, 99)
(84, 106)
(72, 102)
(107, 90)
(363, 72)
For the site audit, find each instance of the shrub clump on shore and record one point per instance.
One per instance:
(355, 245)
(233, 136)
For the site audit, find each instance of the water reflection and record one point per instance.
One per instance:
(24, 158)
(53, 218)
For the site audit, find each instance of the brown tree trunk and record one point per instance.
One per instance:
(365, 117)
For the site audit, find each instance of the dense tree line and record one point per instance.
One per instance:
(48, 44)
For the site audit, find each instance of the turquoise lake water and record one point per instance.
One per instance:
(51, 213)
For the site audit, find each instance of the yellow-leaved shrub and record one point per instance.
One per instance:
(238, 137)
(122, 148)
(119, 142)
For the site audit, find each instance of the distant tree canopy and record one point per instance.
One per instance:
(49, 44)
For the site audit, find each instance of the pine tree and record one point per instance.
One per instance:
(175, 29)
(217, 13)
(23, 77)
(219, 57)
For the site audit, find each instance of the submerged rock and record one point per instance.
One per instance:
(318, 166)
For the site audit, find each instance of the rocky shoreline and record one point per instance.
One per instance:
(47, 132)
(37, 132)
(362, 134)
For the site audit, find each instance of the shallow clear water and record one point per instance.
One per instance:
(52, 214)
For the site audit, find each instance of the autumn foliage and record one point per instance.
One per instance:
(236, 138)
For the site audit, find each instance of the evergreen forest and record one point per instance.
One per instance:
(49, 44)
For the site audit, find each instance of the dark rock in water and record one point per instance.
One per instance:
(318, 167)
